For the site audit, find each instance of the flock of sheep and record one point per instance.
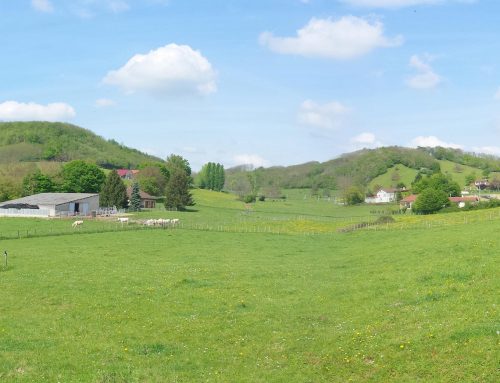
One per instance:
(150, 222)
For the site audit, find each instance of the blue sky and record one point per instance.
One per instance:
(274, 82)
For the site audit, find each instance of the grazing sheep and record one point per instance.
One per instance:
(174, 221)
(123, 220)
(150, 222)
(162, 222)
(77, 223)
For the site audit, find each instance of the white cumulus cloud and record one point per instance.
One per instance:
(425, 78)
(18, 111)
(42, 5)
(171, 69)
(250, 159)
(330, 116)
(433, 141)
(345, 38)
(366, 140)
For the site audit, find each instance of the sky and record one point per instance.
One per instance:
(262, 82)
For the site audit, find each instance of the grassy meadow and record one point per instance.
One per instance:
(267, 293)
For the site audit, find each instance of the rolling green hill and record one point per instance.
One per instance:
(357, 168)
(53, 141)
(366, 168)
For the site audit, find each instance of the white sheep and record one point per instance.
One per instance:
(77, 223)
(123, 220)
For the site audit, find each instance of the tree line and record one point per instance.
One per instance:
(171, 180)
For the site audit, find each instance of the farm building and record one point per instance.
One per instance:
(383, 196)
(51, 205)
(147, 201)
(127, 174)
(407, 202)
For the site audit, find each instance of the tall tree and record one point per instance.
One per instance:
(135, 198)
(114, 191)
(175, 161)
(211, 176)
(177, 194)
(82, 177)
(152, 180)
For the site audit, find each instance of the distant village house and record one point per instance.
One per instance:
(147, 201)
(127, 174)
(383, 196)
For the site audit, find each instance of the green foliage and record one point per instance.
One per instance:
(153, 179)
(114, 191)
(135, 198)
(430, 201)
(211, 176)
(359, 168)
(470, 178)
(438, 181)
(353, 196)
(81, 177)
(250, 198)
(54, 141)
(481, 161)
(177, 194)
(175, 162)
(37, 182)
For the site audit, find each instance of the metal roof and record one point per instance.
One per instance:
(50, 198)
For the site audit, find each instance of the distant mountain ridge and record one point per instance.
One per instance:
(60, 142)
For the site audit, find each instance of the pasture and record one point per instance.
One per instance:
(213, 302)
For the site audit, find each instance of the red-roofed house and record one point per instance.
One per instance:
(127, 174)
(408, 201)
(461, 201)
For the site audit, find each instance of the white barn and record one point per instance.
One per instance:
(383, 196)
(51, 205)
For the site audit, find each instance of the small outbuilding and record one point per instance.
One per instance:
(147, 201)
(51, 205)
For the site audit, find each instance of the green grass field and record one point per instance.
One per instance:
(209, 302)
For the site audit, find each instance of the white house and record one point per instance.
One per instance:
(51, 205)
(383, 196)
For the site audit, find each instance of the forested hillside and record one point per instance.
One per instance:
(357, 168)
(60, 142)
(366, 168)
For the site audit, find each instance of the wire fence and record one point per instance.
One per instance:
(290, 225)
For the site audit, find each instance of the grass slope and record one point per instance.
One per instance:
(459, 172)
(393, 176)
(401, 305)
(35, 141)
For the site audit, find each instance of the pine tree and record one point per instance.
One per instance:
(114, 191)
(135, 198)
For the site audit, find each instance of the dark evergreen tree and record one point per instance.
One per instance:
(177, 194)
(135, 198)
(114, 191)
